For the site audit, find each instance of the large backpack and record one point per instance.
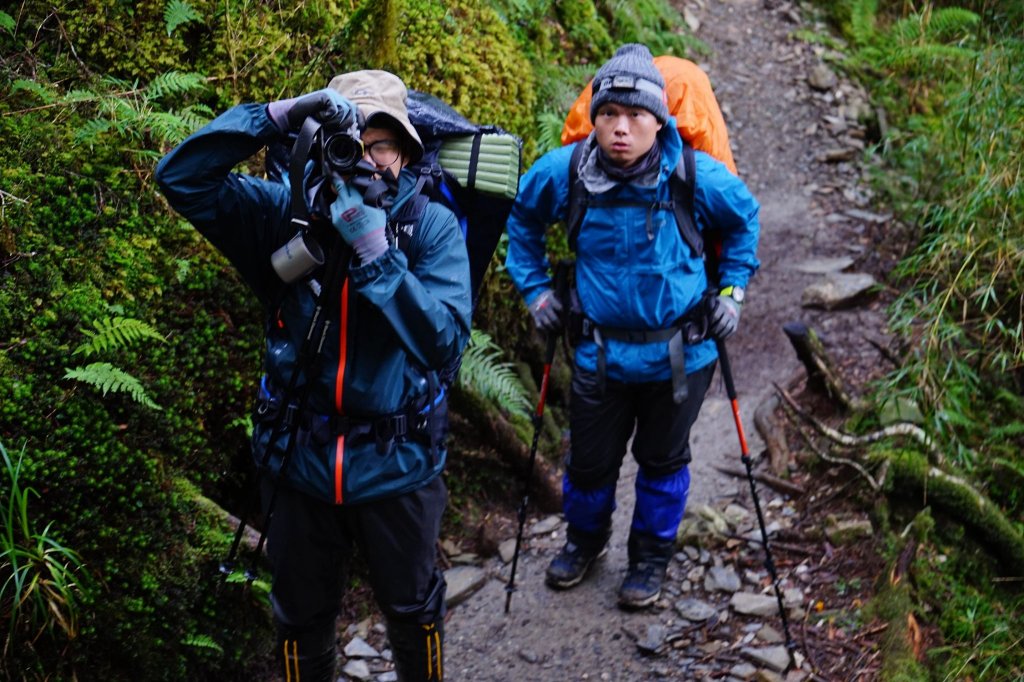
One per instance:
(472, 169)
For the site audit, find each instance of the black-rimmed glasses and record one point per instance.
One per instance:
(384, 152)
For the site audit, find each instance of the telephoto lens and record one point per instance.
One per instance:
(343, 152)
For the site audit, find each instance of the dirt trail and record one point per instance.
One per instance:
(779, 134)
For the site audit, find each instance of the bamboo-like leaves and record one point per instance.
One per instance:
(42, 582)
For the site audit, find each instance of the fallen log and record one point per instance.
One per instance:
(822, 376)
(499, 433)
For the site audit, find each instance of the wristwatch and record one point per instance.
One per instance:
(735, 293)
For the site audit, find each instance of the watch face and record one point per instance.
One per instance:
(738, 294)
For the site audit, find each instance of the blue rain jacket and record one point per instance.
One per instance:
(623, 278)
(400, 319)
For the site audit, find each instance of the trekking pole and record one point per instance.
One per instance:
(730, 390)
(561, 282)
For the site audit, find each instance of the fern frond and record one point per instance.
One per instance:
(92, 131)
(107, 378)
(862, 21)
(7, 22)
(166, 126)
(483, 372)
(46, 95)
(203, 642)
(951, 25)
(925, 57)
(195, 117)
(178, 12)
(174, 82)
(116, 332)
(79, 95)
(549, 131)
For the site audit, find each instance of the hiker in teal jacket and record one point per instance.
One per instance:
(640, 363)
(369, 436)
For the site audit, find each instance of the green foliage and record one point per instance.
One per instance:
(656, 23)
(112, 334)
(483, 371)
(115, 332)
(108, 378)
(42, 581)
(980, 617)
(179, 12)
(960, 305)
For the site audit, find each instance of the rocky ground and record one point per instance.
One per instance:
(798, 138)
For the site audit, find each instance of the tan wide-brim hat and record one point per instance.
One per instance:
(379, 93)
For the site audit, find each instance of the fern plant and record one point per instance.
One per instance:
(178, 12)
(113, 334)
(130, 112)
(484, 373)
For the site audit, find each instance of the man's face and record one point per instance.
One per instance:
(625, 133)
(383, 149)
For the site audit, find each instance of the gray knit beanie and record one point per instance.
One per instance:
(631, 79)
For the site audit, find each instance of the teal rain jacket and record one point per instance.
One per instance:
(401, 318)
(624, 279)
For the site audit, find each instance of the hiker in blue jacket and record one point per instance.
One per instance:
(640, 362)
(363, 473)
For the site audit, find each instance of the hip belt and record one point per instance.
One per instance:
(689, 329)
(423, 420)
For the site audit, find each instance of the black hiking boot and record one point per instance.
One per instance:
(642, 585)
(418, 650)
(571, 565)
(582, 549)
(648, 562)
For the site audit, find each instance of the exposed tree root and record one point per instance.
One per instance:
(545, 482)
(901, 429)
(910, 474)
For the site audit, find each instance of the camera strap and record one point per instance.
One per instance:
(297, 171)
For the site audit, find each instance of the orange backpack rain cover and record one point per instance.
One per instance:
(690, 100)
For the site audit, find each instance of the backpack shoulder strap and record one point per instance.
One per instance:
(405, 221)
(578, 196)
(683, 185)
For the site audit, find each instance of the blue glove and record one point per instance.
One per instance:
(546, 310)
(360, 225)
(325, 105)
(724, 317)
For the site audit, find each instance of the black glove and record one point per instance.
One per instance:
(546, 310)
(325, 105)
